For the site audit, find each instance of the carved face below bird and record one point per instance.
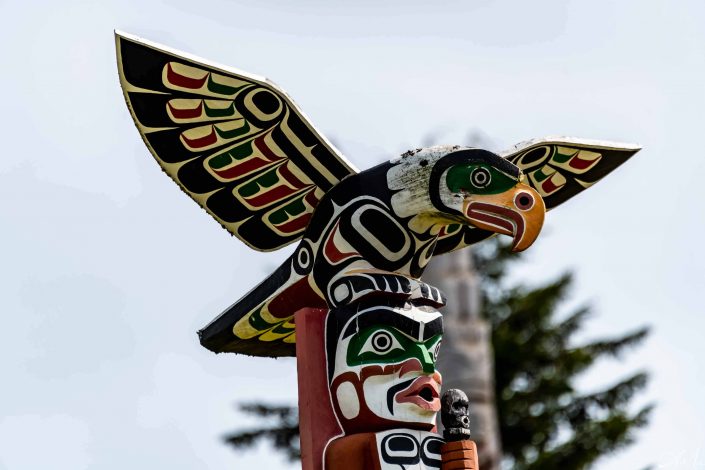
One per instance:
(382, 366)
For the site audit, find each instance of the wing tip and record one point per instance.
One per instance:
(122, 35)
(559, 139)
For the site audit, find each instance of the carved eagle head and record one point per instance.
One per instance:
(446, 185)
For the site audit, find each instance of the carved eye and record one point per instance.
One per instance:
(480, 177)
(381, 342)
(524, 201)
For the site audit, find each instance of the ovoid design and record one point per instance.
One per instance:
(239, 146)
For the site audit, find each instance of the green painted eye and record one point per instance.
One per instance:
(478, 178)
(379, 345)
(380, 342)
(386, 345)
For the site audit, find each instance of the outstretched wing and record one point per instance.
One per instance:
(561, 167)
(558, 168)
(234, 142)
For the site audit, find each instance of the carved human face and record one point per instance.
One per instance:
(383, 373)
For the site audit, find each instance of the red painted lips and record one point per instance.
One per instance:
(423, 392)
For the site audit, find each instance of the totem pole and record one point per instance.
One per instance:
(349, 302)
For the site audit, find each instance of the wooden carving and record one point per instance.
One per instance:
(239, 146)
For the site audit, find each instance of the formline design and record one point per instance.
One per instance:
(349, 303)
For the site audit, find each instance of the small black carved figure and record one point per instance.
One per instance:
(454, 415)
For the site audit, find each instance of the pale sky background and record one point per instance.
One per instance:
(107, 270)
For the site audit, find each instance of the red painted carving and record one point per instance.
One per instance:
(182, 81)
(191, 113)
(316, 417)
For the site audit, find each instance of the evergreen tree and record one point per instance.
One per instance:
(545, 423)
(280, 426)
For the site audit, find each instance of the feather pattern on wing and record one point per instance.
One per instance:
(561, 167)
(234, 142)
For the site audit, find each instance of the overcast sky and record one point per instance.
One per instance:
(108, 270)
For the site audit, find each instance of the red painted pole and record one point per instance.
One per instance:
(317, 420)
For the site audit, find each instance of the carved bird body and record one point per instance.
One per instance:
(240, 147)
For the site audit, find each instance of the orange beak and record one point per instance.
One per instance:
(518, 212)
